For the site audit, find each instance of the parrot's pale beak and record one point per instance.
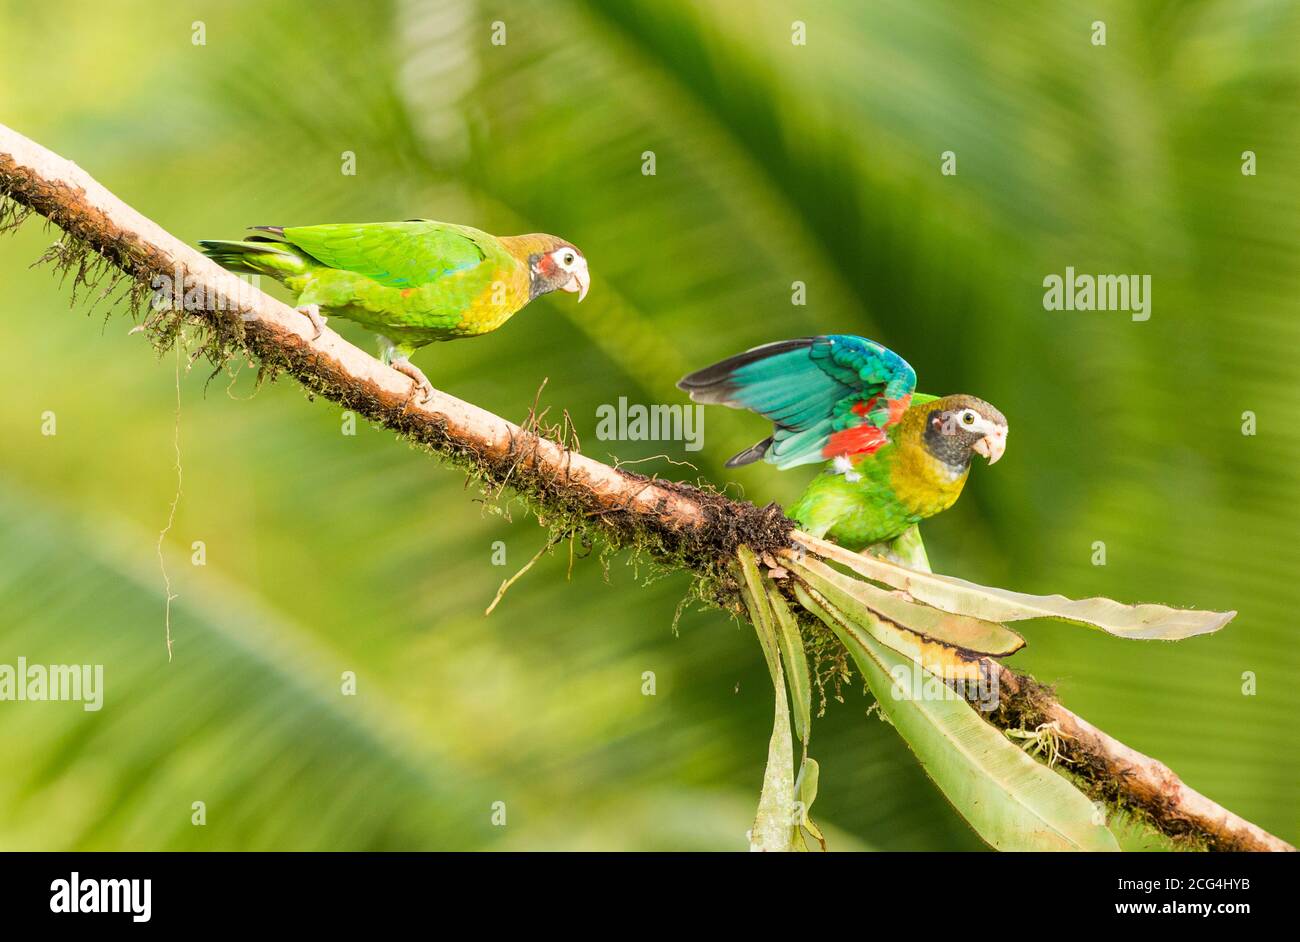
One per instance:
(992, 445)
(578, 284)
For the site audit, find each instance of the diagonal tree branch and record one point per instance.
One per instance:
(689, 527)
(680, 518)
(1125, 775)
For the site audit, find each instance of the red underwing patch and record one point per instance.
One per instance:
(863, 440)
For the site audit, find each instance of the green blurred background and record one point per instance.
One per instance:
(775, 163)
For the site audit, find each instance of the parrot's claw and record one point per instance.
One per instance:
(313, 314)
(422, 386)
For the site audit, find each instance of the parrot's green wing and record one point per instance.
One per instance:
(396, 254)
(827, 396)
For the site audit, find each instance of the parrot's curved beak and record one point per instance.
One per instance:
(992, 445)
(578, 283)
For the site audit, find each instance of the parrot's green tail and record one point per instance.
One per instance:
(256, 257)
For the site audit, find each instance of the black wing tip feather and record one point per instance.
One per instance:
(717, 394)
(751, 454)
(719, 373)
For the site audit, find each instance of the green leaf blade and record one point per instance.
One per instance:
(1142, 622)
(1012, 802)
(774, 824)
(976, 635)
(796, 663)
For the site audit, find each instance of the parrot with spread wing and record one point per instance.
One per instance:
(893, 456)
(412, 282)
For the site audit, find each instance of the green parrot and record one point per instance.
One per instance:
(412, 282)
(893, 458)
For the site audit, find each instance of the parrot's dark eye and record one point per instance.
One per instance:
(968, 418)
(568, 258)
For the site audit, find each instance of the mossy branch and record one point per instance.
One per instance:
(683, 526)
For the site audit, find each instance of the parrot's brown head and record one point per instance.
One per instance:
(957, 426)
(553, 264)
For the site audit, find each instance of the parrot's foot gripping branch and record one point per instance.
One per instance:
(392, 355)
(423, 388)
(313, 314)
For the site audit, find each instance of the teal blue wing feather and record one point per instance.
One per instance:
(828, 395)
(396, 254)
